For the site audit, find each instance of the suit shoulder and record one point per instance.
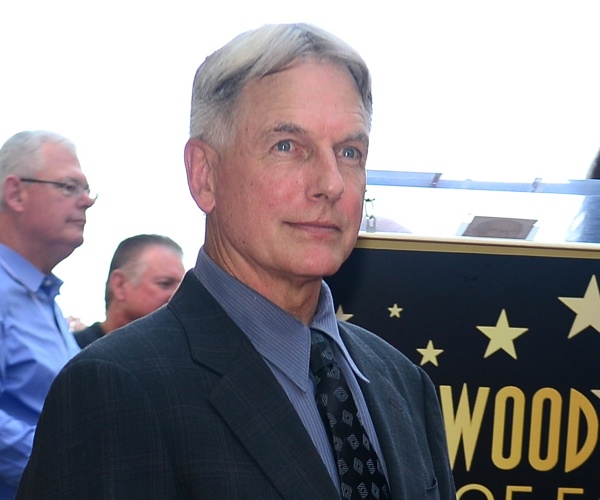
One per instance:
(154, 334)
(359, 341)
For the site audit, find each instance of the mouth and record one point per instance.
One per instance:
(323, 227)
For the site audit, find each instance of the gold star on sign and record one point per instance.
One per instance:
(339, 314)
(501, 336)
(430, 354)
(395, 311)
(587, 309)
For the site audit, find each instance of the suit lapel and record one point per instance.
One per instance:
(259, 412)
(386, 407)
(250, 399)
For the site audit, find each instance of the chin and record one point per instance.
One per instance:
(322, 268)
(76, 241)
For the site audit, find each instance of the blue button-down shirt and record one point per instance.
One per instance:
(34, 345)
(284, 343)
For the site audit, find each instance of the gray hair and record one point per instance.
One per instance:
(21, 154)
(255, 54)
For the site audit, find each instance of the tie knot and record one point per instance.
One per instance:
(321, 352)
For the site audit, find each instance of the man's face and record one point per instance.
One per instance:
(160, 272)
(291, 183)
(52, 220)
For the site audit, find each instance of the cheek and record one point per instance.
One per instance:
(271, 198)
(355, 194)
(358, 181)
(286, 190)
(161, 298)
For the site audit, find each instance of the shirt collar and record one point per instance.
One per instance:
(24, 272)
(279, 337)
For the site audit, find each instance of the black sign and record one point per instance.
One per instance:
(510, 335)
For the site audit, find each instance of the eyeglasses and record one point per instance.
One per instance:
(69, 189)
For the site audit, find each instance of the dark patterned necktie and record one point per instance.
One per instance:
(361, 473)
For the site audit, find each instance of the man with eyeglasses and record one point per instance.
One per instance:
(43, 199)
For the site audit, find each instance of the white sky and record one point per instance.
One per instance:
(488, 90)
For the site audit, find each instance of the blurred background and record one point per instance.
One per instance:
(487, 90)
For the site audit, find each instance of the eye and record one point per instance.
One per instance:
(350, 153)
(166, 284)
(284, 146)
(71, 188)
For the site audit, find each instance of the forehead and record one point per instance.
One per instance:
(58, 160)
(313, 89)
(159, 255)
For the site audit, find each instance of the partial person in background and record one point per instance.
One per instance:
(594, 170)
(226, 392)
(43, 199)
(144, 272)
(585, 227)
(75, 324)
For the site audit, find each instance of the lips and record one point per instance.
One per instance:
(316, 225)
(78, 222)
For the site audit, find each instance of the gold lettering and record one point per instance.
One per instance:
(518, 419)
(569, 491)
(517, 489)
(578, 405)
(474, 487)
(462, 423)
(537, 421)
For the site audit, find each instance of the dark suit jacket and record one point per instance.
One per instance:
(179, 404)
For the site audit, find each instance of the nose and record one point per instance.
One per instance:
(86, 200)
(328, 182)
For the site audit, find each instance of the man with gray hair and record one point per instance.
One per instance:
(43, 199)
(245, 385)
(144, 272)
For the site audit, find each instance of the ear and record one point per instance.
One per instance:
(14, 194)
(116, 282)
(200, 162)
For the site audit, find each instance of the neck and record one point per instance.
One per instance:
(38, 255)
(297, 296)
(299, 302)
(114, 319)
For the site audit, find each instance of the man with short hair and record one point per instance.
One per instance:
(43, 199)
(144, 272)
(245, 385)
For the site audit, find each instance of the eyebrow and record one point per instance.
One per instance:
(76, 181)
(359, 136)
(295, 129)
(288, 127)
